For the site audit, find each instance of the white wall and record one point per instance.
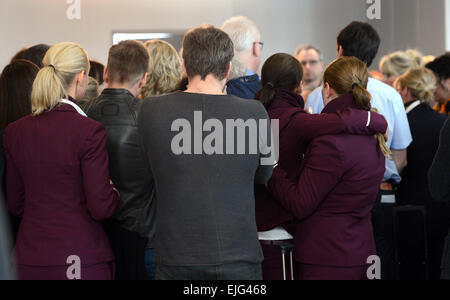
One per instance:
(415, 24)
(284, 23)
(28, 22)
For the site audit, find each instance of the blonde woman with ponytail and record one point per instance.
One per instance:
(57, 176)
(339, 183)
(417, 88)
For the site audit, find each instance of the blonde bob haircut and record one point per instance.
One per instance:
(421, 82)
(61, 64)
(164, 70)
(398, 63)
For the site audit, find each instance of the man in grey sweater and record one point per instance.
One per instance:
(206, 150)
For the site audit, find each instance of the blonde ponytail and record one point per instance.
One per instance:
(62, 63)
(349, 75)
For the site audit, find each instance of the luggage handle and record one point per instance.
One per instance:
(288, 248)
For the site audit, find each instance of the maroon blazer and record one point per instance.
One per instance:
(297, 130)
(57, 177)
(333, 196)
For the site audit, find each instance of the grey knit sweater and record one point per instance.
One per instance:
(205, 203)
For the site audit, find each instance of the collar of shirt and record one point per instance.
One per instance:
(249, 73)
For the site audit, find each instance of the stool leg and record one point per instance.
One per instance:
(292, 268)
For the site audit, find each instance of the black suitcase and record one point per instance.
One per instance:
(410, 243)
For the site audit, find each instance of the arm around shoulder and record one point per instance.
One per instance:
(322, 171)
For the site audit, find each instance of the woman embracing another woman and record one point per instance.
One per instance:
(282, 80)
(337, 184)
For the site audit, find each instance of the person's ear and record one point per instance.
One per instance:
(446, 84)
(80, 77)
(326, 91)
(340, 52)
(143, 81)
(299, 89)
(229, 70)
(105, 76)
(405, 92)
(256, 51)
(184, 66)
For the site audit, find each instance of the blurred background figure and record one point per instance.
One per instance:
(164, 69)
(441, 69)
(246, 38)
(96, 72)
(398, 63)
(16, 82)
(429, 58)
(440, 187)
(91, 94)
(36, 54)
(417, 90)
(311, 59)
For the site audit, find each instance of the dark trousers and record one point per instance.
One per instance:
(129, 250)
(236, 271)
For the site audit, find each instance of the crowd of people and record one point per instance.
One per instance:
(132, 167)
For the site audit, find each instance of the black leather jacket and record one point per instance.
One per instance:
(117, 110)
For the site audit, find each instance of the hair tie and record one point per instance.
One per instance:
(355, 85)
(53, 67)
(271, 85)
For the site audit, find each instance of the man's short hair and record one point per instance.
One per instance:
(302, 48)
(441, 66)
(127, 62)
(360, 40)
(243, 32)
(207, 50)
